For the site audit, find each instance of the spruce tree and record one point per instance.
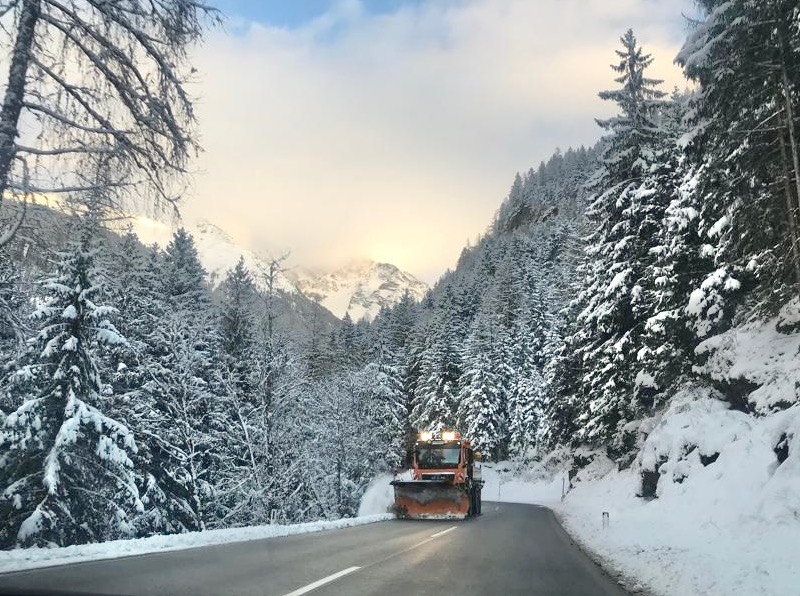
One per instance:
(186, 417)
(436, 388)
(66, 470)
(745, 147)
(613, 302)
(237, 325)
(677, 261)
(482, 412)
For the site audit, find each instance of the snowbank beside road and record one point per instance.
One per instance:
(29, 558)
(675, 546)
(721, 475)
(726, 519)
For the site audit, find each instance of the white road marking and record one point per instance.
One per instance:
(322, 582)
(443, 532)
(410, 548)
(335, 576)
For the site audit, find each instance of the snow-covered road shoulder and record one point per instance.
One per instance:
(724, 514)
(30, 558)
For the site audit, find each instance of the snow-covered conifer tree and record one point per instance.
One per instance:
(66, 473)
(482, 414)
(613, 307)
(745, 147)
(436, 388)
(185, 417)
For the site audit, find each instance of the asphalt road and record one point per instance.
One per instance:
(510, 549)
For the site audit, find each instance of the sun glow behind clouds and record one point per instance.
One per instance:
(395, 136)
(391, 252)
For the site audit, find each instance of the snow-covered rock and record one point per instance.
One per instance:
(759, 359)
(359, 289)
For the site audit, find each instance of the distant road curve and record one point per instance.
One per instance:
(510, 549)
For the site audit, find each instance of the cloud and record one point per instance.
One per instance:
(395, 136)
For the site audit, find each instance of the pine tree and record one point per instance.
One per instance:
(238, 302)
(526, 388)
(135, 370)
(240, 485)
(481, 412)
(12, 322)
(436, 389)
(185, 417)
(613, 301)
(184, 276)
(385, 389)
(628, 147)
(667, 344)
(744, 146)
(66, 468)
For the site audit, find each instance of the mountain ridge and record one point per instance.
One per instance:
(359, 288)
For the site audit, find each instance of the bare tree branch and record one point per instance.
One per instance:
(101, 78)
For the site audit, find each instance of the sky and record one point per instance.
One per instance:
(392, 129)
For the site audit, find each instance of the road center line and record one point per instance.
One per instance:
(409, 549)
(443, 532)
(335, 576)
(322, 582)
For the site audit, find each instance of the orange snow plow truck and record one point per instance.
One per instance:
(445, 482)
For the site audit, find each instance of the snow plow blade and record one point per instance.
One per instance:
(429, 499)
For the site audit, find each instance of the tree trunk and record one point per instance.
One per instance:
(790, 209)
(15, 90)
(791, 127)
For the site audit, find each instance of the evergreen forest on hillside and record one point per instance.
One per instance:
(137, 399)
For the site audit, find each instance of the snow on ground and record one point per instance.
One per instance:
(761, 354)
(506, 484)
(728, 526)
(723, 513)
(29, 558)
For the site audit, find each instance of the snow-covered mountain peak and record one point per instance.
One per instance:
(207, 228)
(218, 251)
(360, 288)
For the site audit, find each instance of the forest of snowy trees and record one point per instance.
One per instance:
(138, 399)
(143, 397)
(580, 311)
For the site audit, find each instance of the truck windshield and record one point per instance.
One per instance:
(431, 457)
